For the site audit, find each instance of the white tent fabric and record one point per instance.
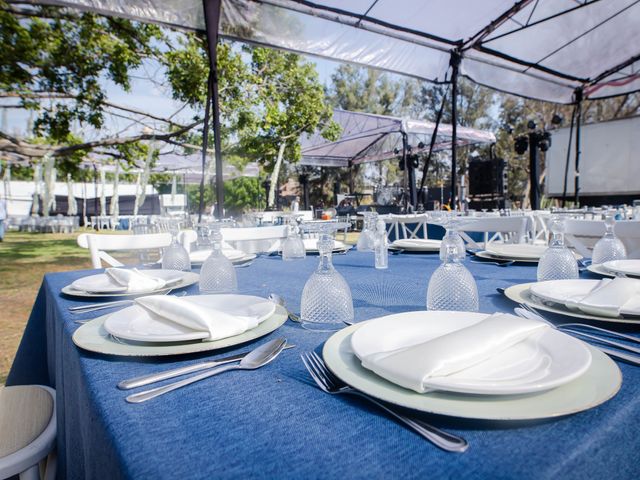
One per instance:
(542, 49)
(367, 137)
(190, 167)
(50, 174)
(103, 198)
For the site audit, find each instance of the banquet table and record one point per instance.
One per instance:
(275, 423)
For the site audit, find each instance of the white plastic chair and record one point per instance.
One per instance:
(502, 229)
(99, 244)
(27, 432)
(401, 227)
(255, 239)
(582, 235)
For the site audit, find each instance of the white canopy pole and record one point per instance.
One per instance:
(49, 199)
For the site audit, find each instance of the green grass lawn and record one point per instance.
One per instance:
(24, 259)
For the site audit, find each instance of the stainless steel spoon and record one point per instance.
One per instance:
(254, 359)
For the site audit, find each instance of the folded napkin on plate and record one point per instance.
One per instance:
(199, 318)
(134, 280)
(611, 298)
(412, 366)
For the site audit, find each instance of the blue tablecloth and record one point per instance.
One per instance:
(273, 423)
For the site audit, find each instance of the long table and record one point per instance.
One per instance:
(274, 423)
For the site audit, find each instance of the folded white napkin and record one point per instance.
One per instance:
(411, 367)
(611, 298)
(218, 323)
(134, 280)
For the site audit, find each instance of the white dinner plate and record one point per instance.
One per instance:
(416, 245)
(521, 294)
(543, 361)
(138, 324)
(188, 278)
(489, 256)
(523, 251)
(598, 384)
(311, 245)
(563, 291)
(198, 257)
(93, 337)
(104, 284)
(630, 267)
(599, 269)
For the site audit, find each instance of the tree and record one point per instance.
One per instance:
(57, 60)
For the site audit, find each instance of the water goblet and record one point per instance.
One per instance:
(293, 245)
(326, 303)
(609, 247)
(367, 238)
(557, 262)
(452, 287)
(217, 274)
(175, 256)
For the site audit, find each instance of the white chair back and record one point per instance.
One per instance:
(406, 226)
(582, 235)
(255, 239)
(98, 245)
(27, 431)
(511, 229)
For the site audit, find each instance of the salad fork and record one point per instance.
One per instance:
(330, 384)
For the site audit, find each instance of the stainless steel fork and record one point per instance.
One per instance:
(329, 383)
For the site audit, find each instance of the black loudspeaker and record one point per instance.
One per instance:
(488, 177)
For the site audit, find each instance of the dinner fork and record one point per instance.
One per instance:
(330, 384)
(633, 359)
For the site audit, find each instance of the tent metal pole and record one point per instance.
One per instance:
(534, 167)
(578, 99)
(212, 22)
(455, 64)
(566, 165)
(405, 165)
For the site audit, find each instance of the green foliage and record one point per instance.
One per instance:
(64, 55)
(239, 194)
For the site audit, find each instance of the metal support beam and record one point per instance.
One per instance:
(455, 64)
(578, 101)
(212, 22)
(534, 169)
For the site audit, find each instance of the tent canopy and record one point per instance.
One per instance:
(368, 138)
(543, 49)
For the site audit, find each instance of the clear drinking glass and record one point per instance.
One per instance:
(175, 256)
(452, 287)
(203, 241)
(451, 236)
(609, 247)
(382, 246)
(293, 245)
(326, 303)
(217, 274)
(367, 238)
(557, 262)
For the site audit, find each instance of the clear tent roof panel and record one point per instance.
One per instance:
(368, 138)
(541, 49)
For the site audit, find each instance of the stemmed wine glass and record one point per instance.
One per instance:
(609, 247)
(557, 262)
(326, 303)
(293, 245)
(452, 287)
(217, 274)
(367, 238)
(175, 256)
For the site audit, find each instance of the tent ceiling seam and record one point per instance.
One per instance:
(542, 20)
(586, 32)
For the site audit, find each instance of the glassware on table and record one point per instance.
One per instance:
(203, 240)
(175, 256)
(326, 303)
(450, 223)
(217, 274)
(367, 239)
(381, 246)
(293, 245)
(558, 262)
(452, 287)
(609, 247)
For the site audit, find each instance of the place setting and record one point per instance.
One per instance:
(157, 325)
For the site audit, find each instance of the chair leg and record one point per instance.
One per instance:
(52, 466)
(32, 473)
